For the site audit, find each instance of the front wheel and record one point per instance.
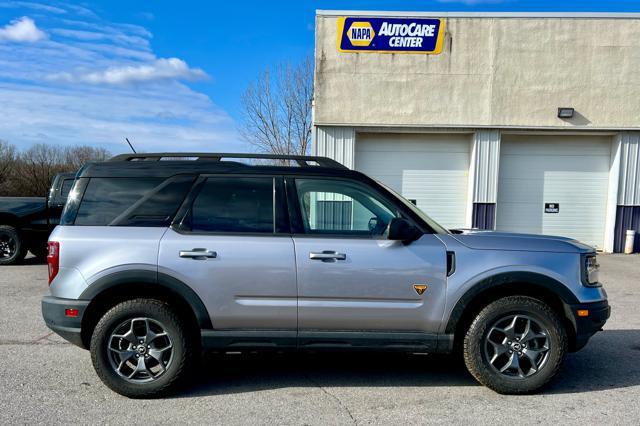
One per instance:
(515, 345)
(141, 348)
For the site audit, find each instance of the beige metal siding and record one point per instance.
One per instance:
(629, 187)
(335, 142)
(486, 160)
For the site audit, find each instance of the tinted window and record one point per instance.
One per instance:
(67, 184)
(234, 205)
(341, 207)
(106, 198)
(158, 206)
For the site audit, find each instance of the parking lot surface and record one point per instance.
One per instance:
(43, 379)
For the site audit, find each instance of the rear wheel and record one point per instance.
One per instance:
(515, 345)
(12, 249)
(141, 349)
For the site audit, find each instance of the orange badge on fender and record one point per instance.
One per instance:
(420, 288)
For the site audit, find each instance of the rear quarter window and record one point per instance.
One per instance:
(132, 201)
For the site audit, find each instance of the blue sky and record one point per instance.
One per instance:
(166, 74)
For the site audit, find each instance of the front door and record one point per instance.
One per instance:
(229, 251)
(351, 278)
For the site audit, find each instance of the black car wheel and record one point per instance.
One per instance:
(515, 345)
(142, 349)
(12, 249)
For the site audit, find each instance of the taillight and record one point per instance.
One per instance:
(53, 259)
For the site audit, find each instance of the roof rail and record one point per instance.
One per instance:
(300, 160)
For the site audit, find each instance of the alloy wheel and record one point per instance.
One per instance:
(140, 350)
(517, 346)
(8, 246)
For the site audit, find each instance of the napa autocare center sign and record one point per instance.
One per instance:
(390, 35)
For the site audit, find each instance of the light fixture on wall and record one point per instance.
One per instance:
(565, 112)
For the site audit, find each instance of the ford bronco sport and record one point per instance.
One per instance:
(160, 256)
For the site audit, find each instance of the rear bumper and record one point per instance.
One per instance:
(69, 328)
(587, 326)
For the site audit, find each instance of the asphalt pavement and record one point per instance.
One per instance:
(43, 379)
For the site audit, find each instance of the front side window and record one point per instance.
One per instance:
(234, 205)
(342, 207)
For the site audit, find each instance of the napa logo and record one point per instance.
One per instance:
(361, 34)
(357, 34)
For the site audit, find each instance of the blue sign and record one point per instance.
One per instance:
(390, 35)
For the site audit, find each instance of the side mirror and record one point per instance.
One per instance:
(402, 230)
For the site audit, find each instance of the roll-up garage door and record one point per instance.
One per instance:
(554, 185)
(430, 169)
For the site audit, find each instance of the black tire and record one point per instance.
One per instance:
(181, 338)
(12, 246)
(478, 351)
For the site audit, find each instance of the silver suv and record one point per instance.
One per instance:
(160, 256)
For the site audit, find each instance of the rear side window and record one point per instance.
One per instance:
(235, 205)
(67, 184)
(132, 201)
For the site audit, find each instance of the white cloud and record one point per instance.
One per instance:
(160, 69)
(22, 30)
(31, 5)
(176, 119)
(474, 2)
(94, 81)
(115, 37)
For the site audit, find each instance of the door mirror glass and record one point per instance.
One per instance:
(401, 229)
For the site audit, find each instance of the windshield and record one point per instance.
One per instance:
(437, 228)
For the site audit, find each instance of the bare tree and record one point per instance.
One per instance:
(76, 156)
(30, 172)
(36, 169)
(7, 165)
(277, 109)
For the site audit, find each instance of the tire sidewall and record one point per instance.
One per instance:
(475, 341)
(118, 315)
(20, 249)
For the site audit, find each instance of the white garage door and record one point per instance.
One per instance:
(431, 169)
(570, 172)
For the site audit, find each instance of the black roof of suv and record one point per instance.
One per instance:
(169, 164)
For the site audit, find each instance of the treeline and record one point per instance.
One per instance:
(29, 173)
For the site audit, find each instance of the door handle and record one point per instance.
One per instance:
(198, 253)
(327, 255)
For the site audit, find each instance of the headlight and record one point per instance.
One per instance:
(590, 274)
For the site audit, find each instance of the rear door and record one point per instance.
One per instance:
(230, 250)
(351, 278)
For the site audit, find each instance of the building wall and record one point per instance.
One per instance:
(492, 72)
(495, 76)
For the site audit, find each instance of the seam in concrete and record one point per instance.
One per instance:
(332, 396)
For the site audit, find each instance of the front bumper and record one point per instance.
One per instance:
(587, 326)
(69, 328)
